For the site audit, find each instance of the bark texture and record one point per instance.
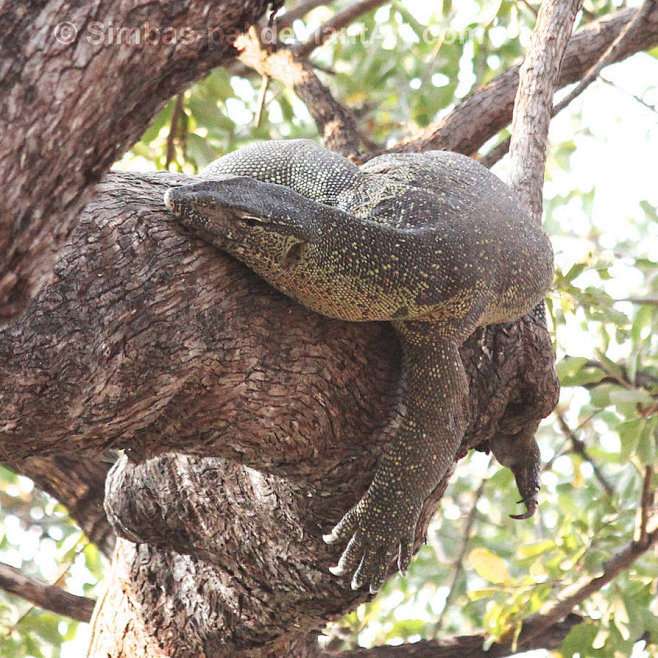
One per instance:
(151, 341)
(79, 83)
(534, 102)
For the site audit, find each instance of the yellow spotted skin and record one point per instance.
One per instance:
(432, 242)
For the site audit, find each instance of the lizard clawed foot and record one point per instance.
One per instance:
(375, 537)
(520, 453)
(531, 507)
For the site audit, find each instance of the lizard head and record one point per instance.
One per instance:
(261, 224)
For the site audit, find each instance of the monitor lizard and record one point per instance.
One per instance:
(432, 242)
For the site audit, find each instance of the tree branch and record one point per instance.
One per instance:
(534, 100)
(177, 348)
(647, 301)
(78, 483)
(608, 57)
(57, 141)
(335, 123)
(646, 504)
(336, 23)
(579, 447)
(298, 11)
(43, 595)
(458, 563)
(471, 646)
(174, 125)
(575, 594)
(488, 110)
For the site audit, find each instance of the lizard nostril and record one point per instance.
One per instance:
(169, 202)
(294, 255)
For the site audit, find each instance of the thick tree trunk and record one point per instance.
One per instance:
(247, 421)
(79, 83)
(151, 341)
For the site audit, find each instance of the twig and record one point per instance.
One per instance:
(647, 301)
(642, 380)
(336, 23)
(608, 57)
(173, 130)
(464, 646)
(646, 504)
(571, 596)
(300, 10)
(539, 630)
(43, 595)
(635, 97)
(458, 564)
(579, 448)
(562, 449)
(534, 10)
(611, 375)
(265, 83)
(497, 152)
(63, 571)
(487, 111)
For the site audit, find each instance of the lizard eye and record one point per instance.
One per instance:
(253, 220)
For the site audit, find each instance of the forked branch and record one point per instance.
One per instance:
(334, 121)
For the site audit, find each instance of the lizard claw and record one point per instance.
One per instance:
(521, 455)
(350, 558)
(343, 529)
(375, 540)
(531, 507)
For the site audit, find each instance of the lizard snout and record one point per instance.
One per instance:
(170, 201)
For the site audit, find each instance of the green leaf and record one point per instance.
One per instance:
(647, 448)
(161, 119)
(635, 395)
(575, 371)
(629, 433)
(489, 566)
(641, 323)
(579, 640)
(533, 550)
(569, 366)
(600, 395)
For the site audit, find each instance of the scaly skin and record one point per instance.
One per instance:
(432, 242)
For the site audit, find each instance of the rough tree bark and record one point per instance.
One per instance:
(538, 78)
(150, 341)
(161, 360)
(77, 88)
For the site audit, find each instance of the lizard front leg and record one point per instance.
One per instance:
(384, 521)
